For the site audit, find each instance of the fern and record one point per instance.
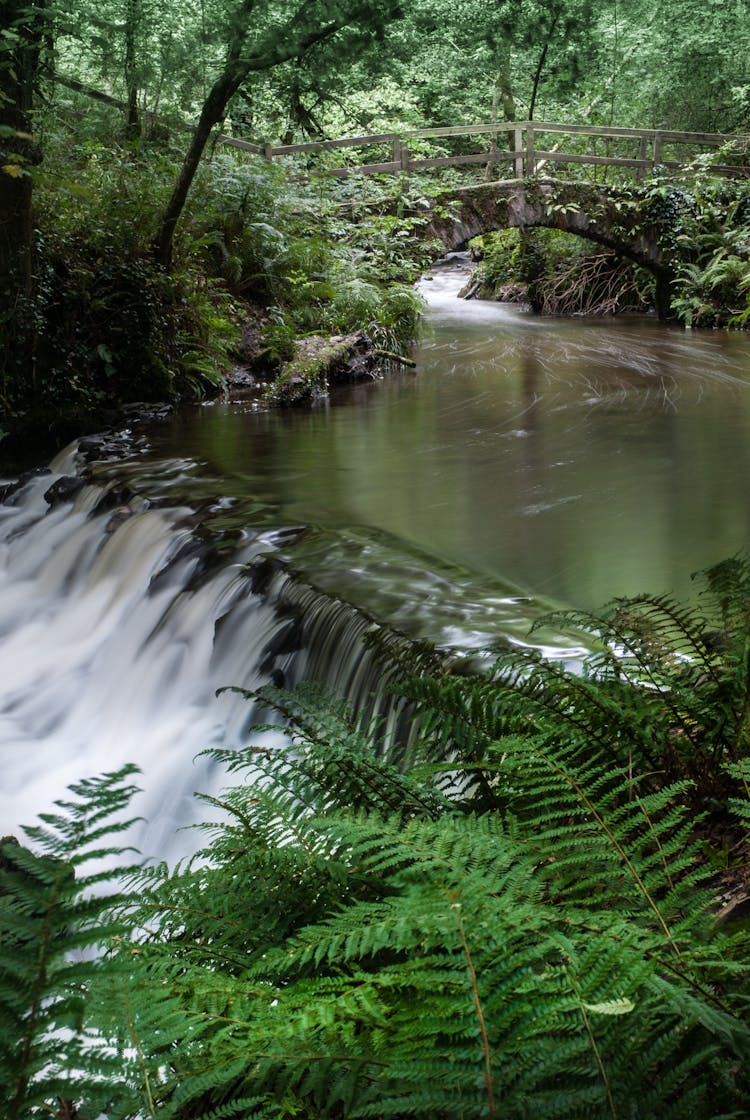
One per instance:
(521, 924)
(53, 914)
(556, 958)
(667, 690)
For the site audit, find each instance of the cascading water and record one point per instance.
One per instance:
(119, 623)
(117, 630)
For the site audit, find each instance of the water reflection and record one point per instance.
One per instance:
(578, 459)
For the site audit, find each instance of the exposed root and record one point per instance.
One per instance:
(602, 284)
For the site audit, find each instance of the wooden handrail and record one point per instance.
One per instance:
(526, 156)
(712, 139)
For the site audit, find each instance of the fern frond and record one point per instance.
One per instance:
(47, 920)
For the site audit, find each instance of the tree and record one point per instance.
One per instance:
(277, 40)
(21, 45)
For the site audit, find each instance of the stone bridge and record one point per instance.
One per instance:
(605, 216)
(526, 200)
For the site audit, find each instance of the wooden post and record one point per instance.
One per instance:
(268, 151)
(657, 149)
(642, 154)
(518, 149)
(396, 153)
(405, 158)
(530, 161)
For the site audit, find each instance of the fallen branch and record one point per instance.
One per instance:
(396, 358)
(320, 361)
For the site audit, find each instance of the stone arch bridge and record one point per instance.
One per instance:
(605, 216)
(527, 200)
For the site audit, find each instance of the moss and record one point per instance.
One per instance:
(534, 194)
(319, 361)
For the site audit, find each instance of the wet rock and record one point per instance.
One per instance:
(113, 499)
(12, 488)
(64, 490)
(118, 518)
(144, 412)
(262, 573)
(198, 552)
(106, 446)
(288, 639)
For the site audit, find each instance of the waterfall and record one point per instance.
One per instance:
(130, 593)
(119, 624)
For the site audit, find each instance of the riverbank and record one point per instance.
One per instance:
(262, 262)
(259, 263)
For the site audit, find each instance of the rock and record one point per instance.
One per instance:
(64, 490)
(288, 639)
(114, 498)
(262, 572)
(12, 488)
(319, 362)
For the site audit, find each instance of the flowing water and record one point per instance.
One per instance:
(526, 463)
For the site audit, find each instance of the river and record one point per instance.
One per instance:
(525, 464)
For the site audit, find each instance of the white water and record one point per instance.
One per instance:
(114, 642)
(100, 667)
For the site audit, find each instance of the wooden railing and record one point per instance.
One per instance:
(650, 148)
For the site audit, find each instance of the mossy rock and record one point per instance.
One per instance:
(319, 362)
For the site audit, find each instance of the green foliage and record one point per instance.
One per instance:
(667, 692)
(700, 223)
(558, 273)
(53, 915)
(104, 325)
(703, 229)
(498, 254)
(321, 250)
(108, 331)
(523, 930)
(316, 270)
(520, 924)
(739, 773)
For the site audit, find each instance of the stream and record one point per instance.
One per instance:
(526, 464)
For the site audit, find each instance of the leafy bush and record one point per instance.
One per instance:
(559, 273)
(105, 326)
(99, 332)
(703, 227)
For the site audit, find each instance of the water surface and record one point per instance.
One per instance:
(574, 460)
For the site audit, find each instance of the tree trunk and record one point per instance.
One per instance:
(18, 74)
(213, 111)
(303, 30)
(132, 116)
(502, 96)
(540, 65)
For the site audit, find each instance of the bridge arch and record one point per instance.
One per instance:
(597, 213)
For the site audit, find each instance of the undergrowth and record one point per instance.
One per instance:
(520, 924)
(558, 274)
(104, 325)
